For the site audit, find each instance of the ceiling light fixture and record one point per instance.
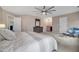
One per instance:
(44, 13)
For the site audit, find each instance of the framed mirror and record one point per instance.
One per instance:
(37, 22)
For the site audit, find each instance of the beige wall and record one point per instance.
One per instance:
(28, 22)
(55, 24)
(46, 21)
(0, 15)
(5, 17)
(73, 21)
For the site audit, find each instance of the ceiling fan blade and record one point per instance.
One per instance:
(37, 12)
(38, 9)
(50, 8)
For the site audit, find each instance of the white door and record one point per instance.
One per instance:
(63, 24)
(10, 20)
(17, 24)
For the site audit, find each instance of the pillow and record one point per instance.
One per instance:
(76, 31)
(71, 31)
(76, 28)
(7, 34)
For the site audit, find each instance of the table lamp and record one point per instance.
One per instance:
(2, 26)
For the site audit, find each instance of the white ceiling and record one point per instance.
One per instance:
(29, 10)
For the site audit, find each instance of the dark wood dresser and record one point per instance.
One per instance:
(38, 29)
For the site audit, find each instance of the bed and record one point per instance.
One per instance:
(26, 42)
(47, 43)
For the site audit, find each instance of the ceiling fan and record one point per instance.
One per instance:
(44, 10)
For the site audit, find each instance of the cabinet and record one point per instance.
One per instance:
(38, 29)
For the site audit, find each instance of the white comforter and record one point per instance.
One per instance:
(25, 43)
(47, 43)
(29, 42)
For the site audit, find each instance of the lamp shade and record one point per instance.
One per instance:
(2, 26)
